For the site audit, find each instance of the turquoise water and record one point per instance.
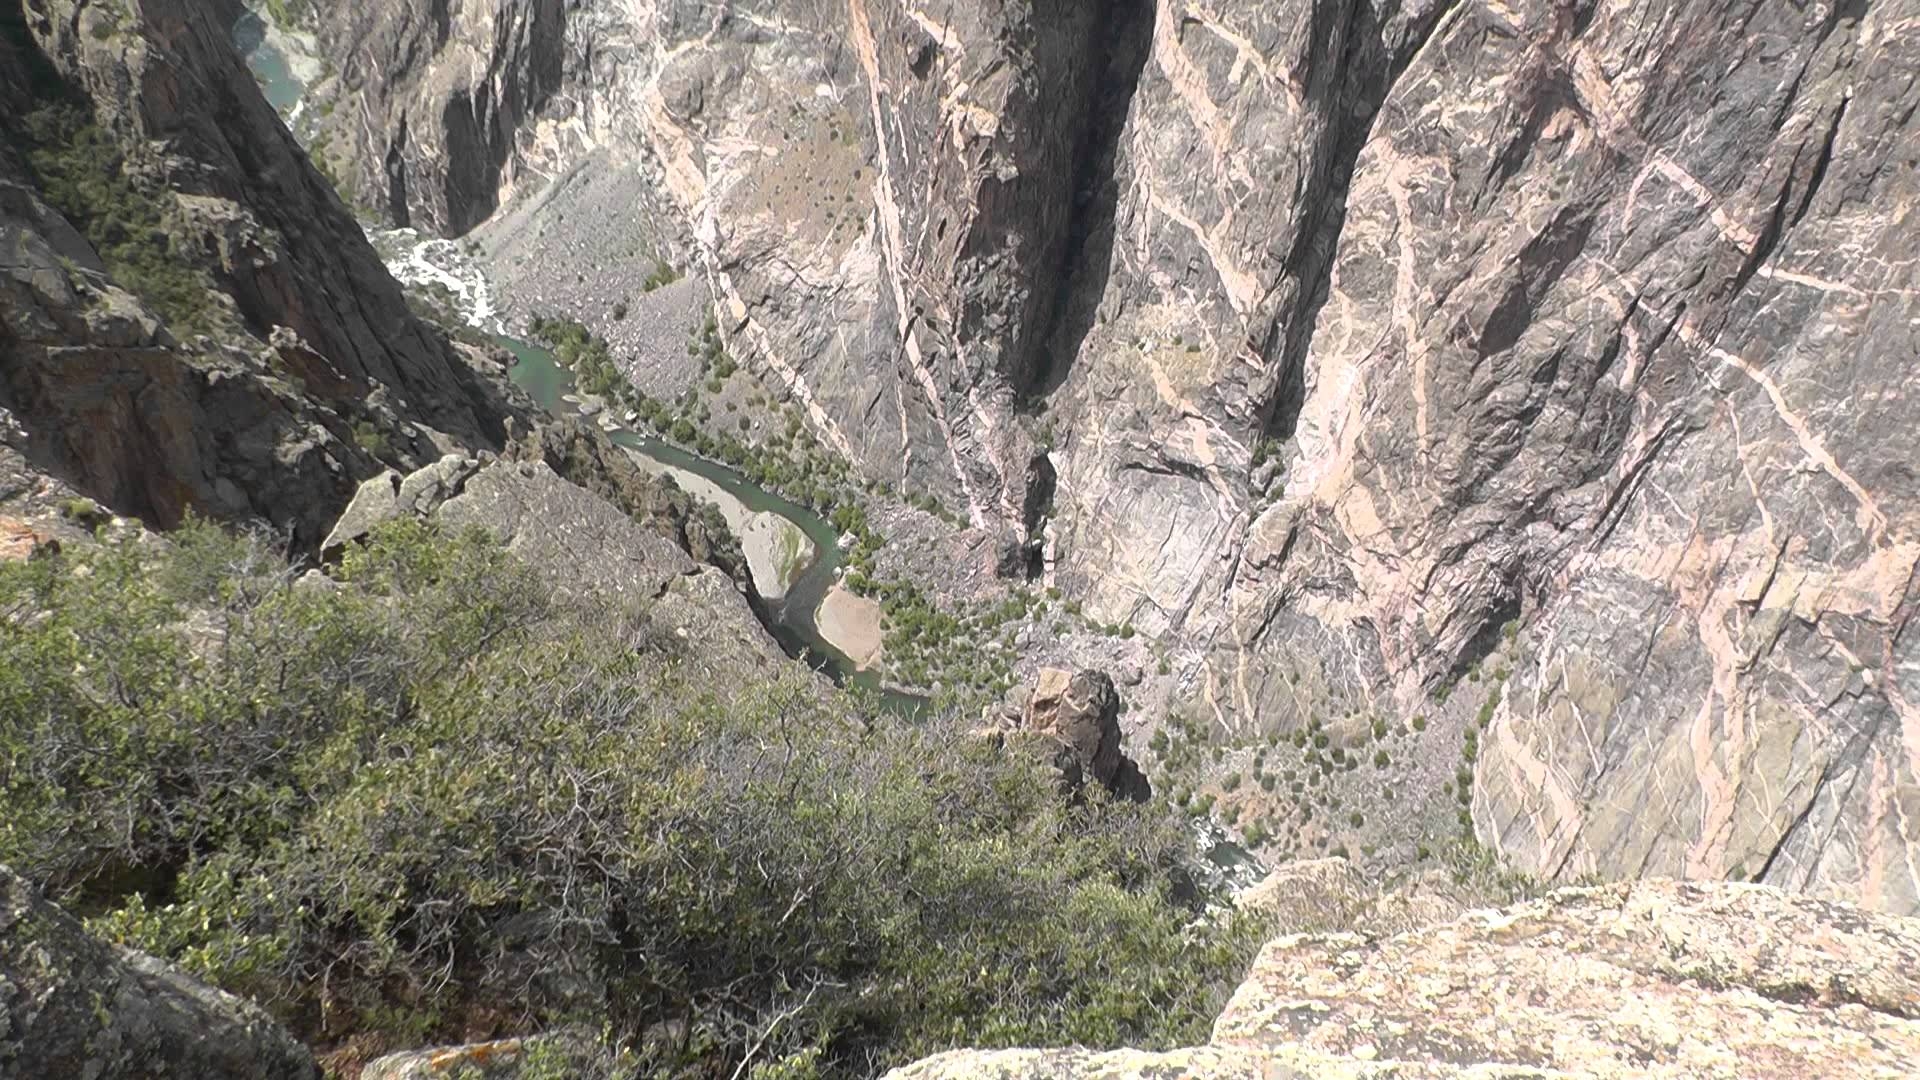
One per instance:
(269, 66)
(793, 618)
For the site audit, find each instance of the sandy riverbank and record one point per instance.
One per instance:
(776, 549)
(851, 623)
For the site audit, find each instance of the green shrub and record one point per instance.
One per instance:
(83, 512)
(87, 178)
(431, 794)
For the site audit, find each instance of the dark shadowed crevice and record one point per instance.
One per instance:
(1086, 259)
(396, 168)
(1354, 88)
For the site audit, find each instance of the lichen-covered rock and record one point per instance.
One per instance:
(1657, 979)
(592, 550)
(1315, 896)
(72, 1006)
(390, 495)
(19, 540)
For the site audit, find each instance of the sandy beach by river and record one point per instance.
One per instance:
(776, 549)
(851, 622)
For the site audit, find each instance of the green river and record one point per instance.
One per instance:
(793, 617)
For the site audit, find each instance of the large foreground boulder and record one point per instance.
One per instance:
(1653, 979)
(72, 1006)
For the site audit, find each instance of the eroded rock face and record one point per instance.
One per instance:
(73, 1006)
(1368, 331)
(1653, 979)
(445, 107)
(306, 369)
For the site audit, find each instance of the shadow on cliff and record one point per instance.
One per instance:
(1087, 259)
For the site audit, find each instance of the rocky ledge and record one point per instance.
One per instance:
(73, 1006)
(1652, 979)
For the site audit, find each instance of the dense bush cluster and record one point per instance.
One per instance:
(421, 798)
(86, 177)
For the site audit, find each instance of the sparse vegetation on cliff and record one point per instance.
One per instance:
(85, 175)
(425, 798)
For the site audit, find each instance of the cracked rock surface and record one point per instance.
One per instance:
(73, 1006)
(1654, 979)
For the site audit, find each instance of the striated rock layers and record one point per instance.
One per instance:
(189, 317)
(1322, 342)
(1654, 979)
(72, 1006)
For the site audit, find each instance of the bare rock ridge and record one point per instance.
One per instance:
(1365, 338)
(625, 561)
(1650, 979)
(72, 1006)
(191, 319)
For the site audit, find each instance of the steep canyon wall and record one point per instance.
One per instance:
(1323, 341)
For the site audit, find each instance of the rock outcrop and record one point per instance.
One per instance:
(73, 1006)
(499, 1059)
(1078, 714)
(1653, 979)
(191, 319)
(1331, 895)
(589, 549)
(1361, 334)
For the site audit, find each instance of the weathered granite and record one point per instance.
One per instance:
(311, 373)
(74, 1006)
(497, 1059)
(1657, 979)
(592, 551)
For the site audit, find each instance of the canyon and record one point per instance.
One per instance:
(1480, 362)
(1419, 484)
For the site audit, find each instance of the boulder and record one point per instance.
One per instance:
(74, 1006)
(1663, 979)
(1080, 712)
(390, 495)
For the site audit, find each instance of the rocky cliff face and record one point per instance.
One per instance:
(190, 318)
(71, 1005)
(1656, 979)
(1360, 333)
(445, 108)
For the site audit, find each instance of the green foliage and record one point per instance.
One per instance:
(83, 512)
(370, 438)
(427, 792)
(664, 274)
(87, 178)
(287, 14)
